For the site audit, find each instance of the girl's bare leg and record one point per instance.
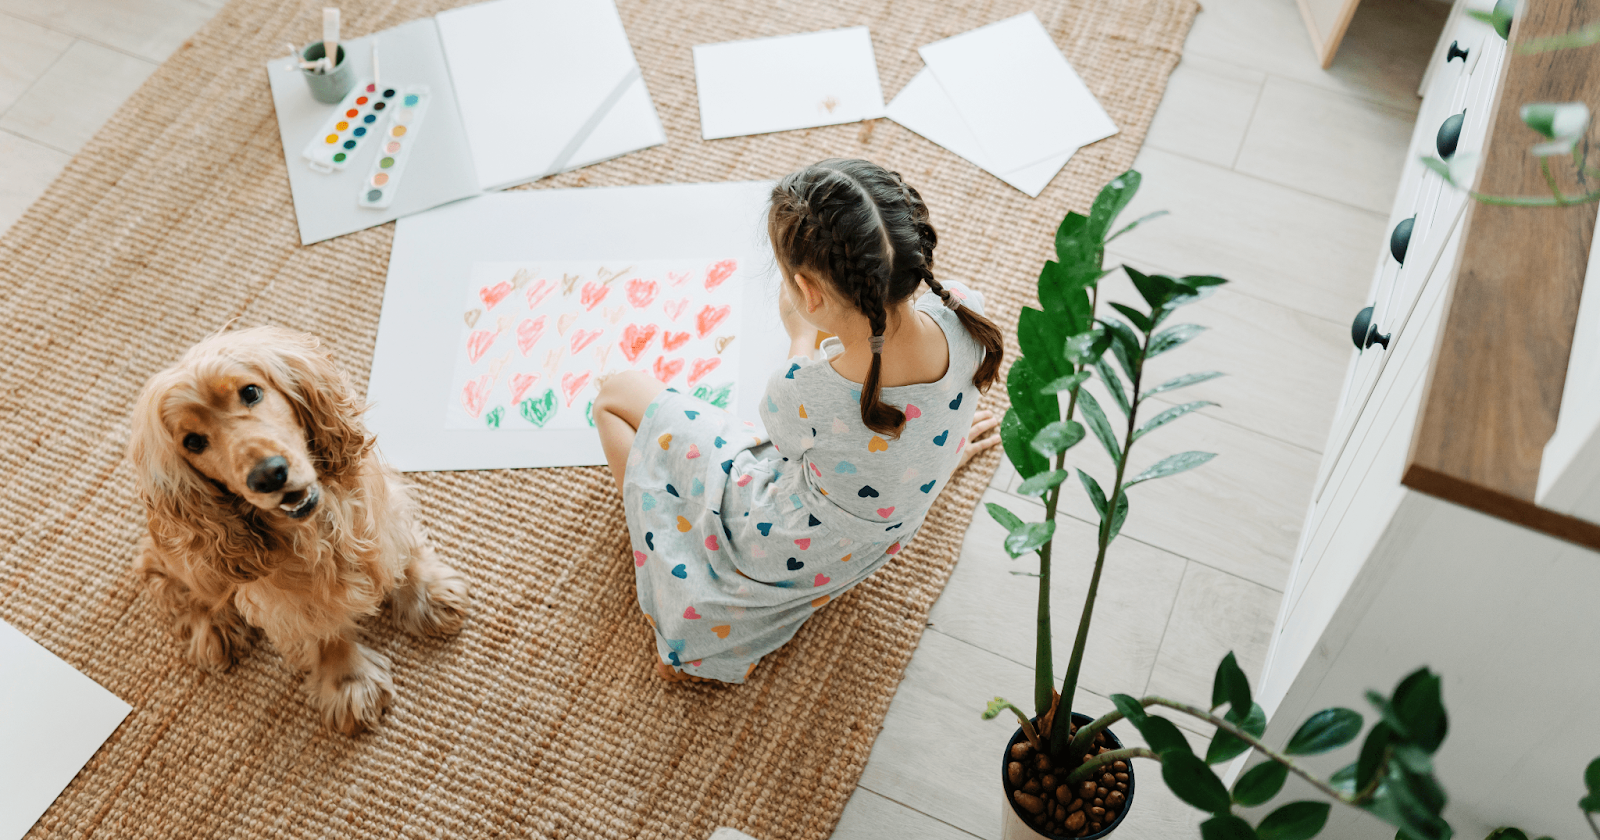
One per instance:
(618, 411)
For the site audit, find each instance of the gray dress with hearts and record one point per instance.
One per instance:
(738, 538)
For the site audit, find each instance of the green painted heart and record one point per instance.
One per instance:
(538, 410)
(494, 416)
(717, 395)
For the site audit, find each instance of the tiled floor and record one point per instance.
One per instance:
(1278, 175)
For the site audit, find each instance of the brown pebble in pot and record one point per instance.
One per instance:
(1064, 794)
(1030, 803)
(1097, 814)
(1075, 805)
(1107, 780)
(1120, 766)
(1094, 826)
(1121, 777)
(1014, 773)
(1075, 821)
(1098, 801)
(1042, 763)
(1115, 799)
(1021, 749)
(1098, 792)
(1123, 786)
(1058, 812)
(1049, 782)
(1032, 786)
(1086, 790)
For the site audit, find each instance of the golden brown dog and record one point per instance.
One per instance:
(269, 508)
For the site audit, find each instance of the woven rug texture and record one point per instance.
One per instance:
(543, 718)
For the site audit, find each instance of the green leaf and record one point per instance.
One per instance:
(1172, 337)
(1172, 465)
(1057, 437)
(1041, 483)
(1326, 730)
(1063, 296)
(1260, 783)
(1193, 782)
(1193, 287)
(1295, 821)
(995, 707)
(1439, 168)
(1170, 415)
(1372, 752)
(1130, 709)
(1065, 383)
(1156, 289)
(1124, 345)
(1412, 802)
(1420, 708)
(1074, 246)
(1097, 497)
(1016, 438)
(1085, 347)
(1343, 780)
(1095, 417)
(1590, 803)
(1118, 516)
(1163, 736)
(1039, 339)
(1179, 382)
(1225, 745)
(1413, 757)
(1591, 776)
(1137, 222)
(1109, 204)
(1506, 833)
(1026, 386)
(1134, 316)
(1029, 537)
(1113, 383)
(1563, 122)
(1226, 827)
(1230, 684)
(1006, 518)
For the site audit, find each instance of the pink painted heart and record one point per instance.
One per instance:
(639, 557)
(694, 452)
(479, 343)
(571, 385)
(820, 580)
(703, 367)
(677, 279)
(690, 614)
(885, 512)
(520, 383)
(491, 295)
(592, 294)
(711, 542)
(803, 543)
(538, 292)
(583, 338)
(710, 317)
(665, 370)
(529, 333)
(674, 308)
(719, 272)
(912, 412)
(672, 340)
(476, 393)
(743, 480)
(635, 339)
(642, 292)
(894, 549)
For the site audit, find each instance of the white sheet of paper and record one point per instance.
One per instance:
(787, 82)
(441, 169)
(923, 107)
(52, 720)
(431, 270)
(1017, 93)
(536, 77)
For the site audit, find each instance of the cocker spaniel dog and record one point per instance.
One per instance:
(269, 508)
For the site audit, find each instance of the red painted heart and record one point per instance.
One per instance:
(476, 393)
(572, 384)
(673, 341)
(719, 272)
(703, 367)
(538, 292)
(479, 343)
(710, 317)
(642, 292)
(491, 295)
(635, 339)
(528, 333)
(520, 383)
(583, 338)
(592, 294)
(665, 370)
(674, 308)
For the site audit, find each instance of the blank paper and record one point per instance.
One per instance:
(788, 82)
(1020, 98)
(52, 720)
(923, 107)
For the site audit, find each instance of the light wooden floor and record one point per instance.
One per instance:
(1279, 176)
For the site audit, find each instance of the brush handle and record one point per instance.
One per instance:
(330, 37)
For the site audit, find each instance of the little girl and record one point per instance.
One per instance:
(738, 539)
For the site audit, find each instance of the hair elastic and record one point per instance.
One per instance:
(951, 302)
(877, 344)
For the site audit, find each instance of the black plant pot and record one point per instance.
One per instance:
(1021, 817)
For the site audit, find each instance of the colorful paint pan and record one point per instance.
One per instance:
(348, 125)
(395, 145)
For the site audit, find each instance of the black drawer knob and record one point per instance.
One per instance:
(1400, 238)
(1364, 334)
(1456, 52)
(1449, 134)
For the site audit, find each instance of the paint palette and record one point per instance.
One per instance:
(348, 126)
(395, 147)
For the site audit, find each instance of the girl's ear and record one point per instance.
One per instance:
(810, 291)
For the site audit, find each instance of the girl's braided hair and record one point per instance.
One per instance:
(866, 231)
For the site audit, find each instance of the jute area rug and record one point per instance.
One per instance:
(542, 719)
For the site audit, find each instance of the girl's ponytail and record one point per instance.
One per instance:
(878, 415)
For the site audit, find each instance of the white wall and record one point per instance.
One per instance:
(1569, 478)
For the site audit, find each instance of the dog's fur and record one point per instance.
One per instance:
(221, 558)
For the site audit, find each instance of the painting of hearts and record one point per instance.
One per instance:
(674, 319)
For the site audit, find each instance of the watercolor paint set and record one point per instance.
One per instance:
(347, 127)
(395, 147)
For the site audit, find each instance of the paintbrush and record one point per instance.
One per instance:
(330, 39)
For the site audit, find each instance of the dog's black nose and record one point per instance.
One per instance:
(269, 475)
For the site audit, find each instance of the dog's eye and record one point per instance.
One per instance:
(195, 443)
(251, 394)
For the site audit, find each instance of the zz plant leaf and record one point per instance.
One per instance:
(1225, 745)
(1172, 465)
(1326, 730)
(1194, 782)
(1170, 415)
(1042, 483)
(1295, 821)
(1172, 337)
(1095, 417)
(1226, 827)
(1260, 783)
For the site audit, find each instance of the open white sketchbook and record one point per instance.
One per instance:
(501, 315)
(521, 89)
(52, 720)
(787, 82)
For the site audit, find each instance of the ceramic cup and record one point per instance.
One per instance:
(328, 87)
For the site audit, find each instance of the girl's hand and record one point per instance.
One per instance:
(983, 422)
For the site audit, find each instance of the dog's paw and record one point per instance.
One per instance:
(438, 607)
(353, 699)
(213, 642)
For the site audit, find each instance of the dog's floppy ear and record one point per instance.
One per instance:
(324, 403)
(191, 520)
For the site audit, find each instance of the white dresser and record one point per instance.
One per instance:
(1402, 564)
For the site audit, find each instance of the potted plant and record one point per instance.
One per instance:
(1063, 343)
